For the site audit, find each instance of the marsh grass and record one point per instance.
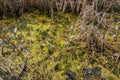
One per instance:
(62, 42)
(17, 7)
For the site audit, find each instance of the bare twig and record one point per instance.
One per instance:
(22, 70)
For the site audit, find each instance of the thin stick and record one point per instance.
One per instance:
(22, 70)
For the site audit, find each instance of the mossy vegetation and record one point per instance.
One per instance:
(60, 44)
(53, 49)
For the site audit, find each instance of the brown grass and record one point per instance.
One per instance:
(17, 7)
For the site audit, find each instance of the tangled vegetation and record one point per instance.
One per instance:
(59, 40)
(17, 7)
